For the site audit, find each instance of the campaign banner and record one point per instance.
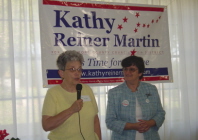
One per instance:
(105, 33)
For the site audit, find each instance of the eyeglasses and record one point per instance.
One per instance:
(129, 69)
(74, 69)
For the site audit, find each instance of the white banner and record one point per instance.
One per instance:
(105, 33)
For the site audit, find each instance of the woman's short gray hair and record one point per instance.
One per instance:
(67, 56)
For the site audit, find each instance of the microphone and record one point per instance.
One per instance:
(78, 88)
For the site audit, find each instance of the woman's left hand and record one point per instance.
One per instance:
(146, 125)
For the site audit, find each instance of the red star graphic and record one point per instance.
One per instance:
(133, 52)
(144, 25)
(157, 21)
(138, 24)
(159, 17)
(125, 19)
(148, 26)
(135, 30)
(137, 15)
(120, 26)
(152, 21)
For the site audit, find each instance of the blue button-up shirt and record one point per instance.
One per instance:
(121, 109)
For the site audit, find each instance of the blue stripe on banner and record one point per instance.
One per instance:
(155, 71)
(94, 73)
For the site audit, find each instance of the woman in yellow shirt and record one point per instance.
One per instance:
(63, 115)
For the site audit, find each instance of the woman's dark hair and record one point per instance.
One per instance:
(134, 61)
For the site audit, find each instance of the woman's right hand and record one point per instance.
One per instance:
(77, 105)
(51, 122)
(136, 126)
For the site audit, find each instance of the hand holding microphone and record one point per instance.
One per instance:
(78, 104)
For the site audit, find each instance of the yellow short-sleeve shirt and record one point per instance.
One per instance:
(57, 99)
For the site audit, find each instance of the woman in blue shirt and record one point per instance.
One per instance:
(134, 110)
